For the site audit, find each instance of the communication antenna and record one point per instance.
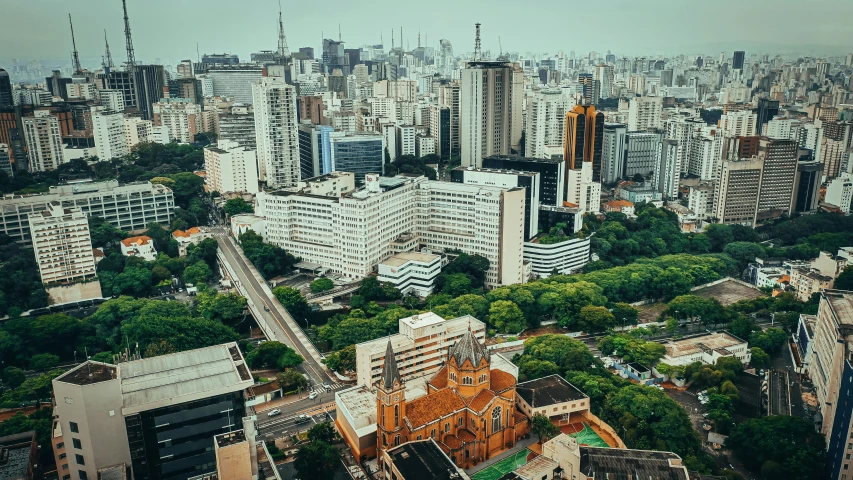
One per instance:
(283, 51)
(75, 58)
(109, 56)
(500, 47)
(339, 32)
(477, 49)
(128, 41)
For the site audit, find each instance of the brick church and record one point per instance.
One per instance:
(469, 409)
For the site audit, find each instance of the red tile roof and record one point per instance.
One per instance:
(140, 240)
(452, 441)
(431, 407)
(465, 435)
(501, 381)
(439, 381)
(481, 400)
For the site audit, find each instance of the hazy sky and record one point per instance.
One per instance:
(169, 29)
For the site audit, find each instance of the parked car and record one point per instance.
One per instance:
(274, 412)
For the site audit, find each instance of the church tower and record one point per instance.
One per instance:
(390, 403)
(468, 366)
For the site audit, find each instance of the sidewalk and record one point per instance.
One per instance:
(521, 445)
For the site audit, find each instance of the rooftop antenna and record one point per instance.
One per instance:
(392, 39)
(109, 56)
(75, 57)
(128, 41)
(500, 47)
(197, 54)
(477, 50)
(339, 32)
(419, 38)
(282, 40)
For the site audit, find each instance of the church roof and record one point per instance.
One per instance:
(389, 369)
(468, 348)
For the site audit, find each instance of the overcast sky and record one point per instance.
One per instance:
(169, 29)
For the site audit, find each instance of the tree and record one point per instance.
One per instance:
(133, 281)
(791, 442)
(197, 273)
(671, 283)
(269, 354)
(221, 307)
(103, 233)
(237, 205)
(744, 252)
(564, 352)
(342, 360)
(175, 333)
(720, 235)
(322, 284)
(43, 362)
(646, 353)
(13, 377)
(291, 380)
(624, 314)
(770, 340)
(543, 428)
(690, 306)
(323, 432)
(317, 460)
(473, 266)
(845, 279)
(531, 369)
(290, 359)
(759, 358)
(456, 284)
(506, 316)
(187, 185)
(742, 326)
(595, 319)
(293, 301)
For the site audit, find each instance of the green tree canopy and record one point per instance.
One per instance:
(543, 428)
(236, 206)
(293, 301)
(322, 284)
(790, 442)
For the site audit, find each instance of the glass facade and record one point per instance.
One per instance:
(357, 155)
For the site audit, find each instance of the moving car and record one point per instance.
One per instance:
(303, 418)
(273, 412)
(312, 396)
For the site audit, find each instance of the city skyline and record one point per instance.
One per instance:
(255, 29)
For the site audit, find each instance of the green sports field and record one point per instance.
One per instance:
(499, 469)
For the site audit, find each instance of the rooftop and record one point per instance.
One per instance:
(536, 466)
(423, 460)
(841, 303)
(181, 377)
(503, 171)
(402, 258)
(426, 409)
(358, 404)
(231, 438)
(548, 390)
(523, 159)
(691, 346)
(139, 240)
(89, 373)
(617, 463)
(15, 451)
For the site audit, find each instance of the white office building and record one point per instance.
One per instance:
(112, 100)
(276, 131)
(565, 257)
(741, 123)
(352, 232)
(62, 244)
(109, 133)
(546, 121)
(839, 192)
(581, 191)
(234, 81)
(44, 141)
(411, 272)
(181, 116)
(231, 167)
(128, 207)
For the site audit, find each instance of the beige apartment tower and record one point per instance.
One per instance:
(491, 103)
(62, 244)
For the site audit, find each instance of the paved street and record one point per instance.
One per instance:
(274, 315)
(290, 421)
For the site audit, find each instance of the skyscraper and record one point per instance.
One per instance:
(767, 109)
(276, 131)
(776, 196)
(604, 75)
(546, 114)
(491, 110)
(583, 139)
(44, 141)
(5, 89)
(148, 81)
(737, 60)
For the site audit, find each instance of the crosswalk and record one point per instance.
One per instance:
(220, 234)
(335, 386)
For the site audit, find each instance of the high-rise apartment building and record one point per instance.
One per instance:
(546, 117)
(108, 130)
(668, 172)
(352, 233)
(181, 116)
(642, 153)
(590, 88)
(112, 100)
(741, 123)
(439, 130)
(44, 141)
(405, 140)
(315, 156)
(581, 191)
(736, 198)
(62, 244)
(613, 152)
(583, 139)
(839, 192)
(157, 415)
(235, 81)
(767, 109)
(238, 126)
(5, 159)
(148, 83)
(705, 156)
(448, 96)
(5, 89)
(604, 75)
(784, 128)
(807, 186)
(127, 207)
(645, 113)
(831, 373)
(137, 130)
(738, 60)
(231, 167)
(276, 131)
(776, 196)
(491, 105)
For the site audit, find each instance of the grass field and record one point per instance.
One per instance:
(503, 467)
(587, 436)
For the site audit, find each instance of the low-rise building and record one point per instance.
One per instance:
(231, 167)
(19, 456)
(411, 272)
(241, 224)
(190, 236)
(637, 193)
(621, 206)
(420, 460)
(706, 349)
(807, 282)
(553, 397)
(565, 257)
(140, 246)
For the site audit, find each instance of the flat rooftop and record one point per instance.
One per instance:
(358, 404)
(620, 463)
(841, 303)
(402, 258)
(231, 438)
(400, 341)
(89, 373)
(691, 346)
(16, 459)
(548, 390)
(423, 460)
(181, 377)
(729, 292)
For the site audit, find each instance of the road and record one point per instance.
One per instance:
(274, 314)
(291, 421)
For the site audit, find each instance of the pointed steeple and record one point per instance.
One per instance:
(469, 348)
(389, 369)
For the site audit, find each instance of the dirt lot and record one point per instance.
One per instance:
(729, 292)
(650, 312)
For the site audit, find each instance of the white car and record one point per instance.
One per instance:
(273, 412)
(312, 396)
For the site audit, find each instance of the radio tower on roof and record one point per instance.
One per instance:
(283, 52)
(477, 51)
(131, 61)
(75, 58)
(108, 61)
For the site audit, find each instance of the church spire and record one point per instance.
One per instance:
(468, 347)
(390, 373)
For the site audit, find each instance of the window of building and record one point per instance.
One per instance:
(446, 427)
(80, 460)
(453, 376)
(418, 437)
(83, 475)
(76, 443)
(396, 415)
(467, 381)
(397, 440)
(60, 445)
(460, 421)
(62, 456)
(74, 428)
(496, 419)
(432, 433)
